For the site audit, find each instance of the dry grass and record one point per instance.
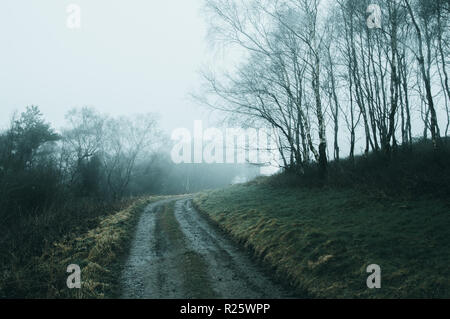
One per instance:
(99, 252)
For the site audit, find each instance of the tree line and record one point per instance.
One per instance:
(320, 75)
(95, 156)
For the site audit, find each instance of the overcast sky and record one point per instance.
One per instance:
(128, 57)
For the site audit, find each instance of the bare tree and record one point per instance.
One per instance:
(422, 35)
(308, 63)
(126, 139)
(82, 141)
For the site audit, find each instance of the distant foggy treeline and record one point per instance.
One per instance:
(94, 156)
(367, 74)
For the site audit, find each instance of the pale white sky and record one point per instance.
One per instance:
(130, 56)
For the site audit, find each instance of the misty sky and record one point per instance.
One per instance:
(128, 57)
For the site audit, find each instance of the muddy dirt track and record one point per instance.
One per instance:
(176, 253)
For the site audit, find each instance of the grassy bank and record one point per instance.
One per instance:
(322, 240)
(98, 245)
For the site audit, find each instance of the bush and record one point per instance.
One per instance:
(415, 171)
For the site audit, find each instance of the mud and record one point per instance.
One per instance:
(152, 269)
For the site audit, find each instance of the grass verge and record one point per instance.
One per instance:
(322, 240)
(99, 251)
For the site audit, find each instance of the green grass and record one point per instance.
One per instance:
(322, 240)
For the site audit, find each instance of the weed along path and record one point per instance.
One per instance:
(176, 253)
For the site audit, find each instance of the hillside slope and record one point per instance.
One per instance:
(322, 240)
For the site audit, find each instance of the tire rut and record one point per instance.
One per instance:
(216, 266)
(234, 273)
